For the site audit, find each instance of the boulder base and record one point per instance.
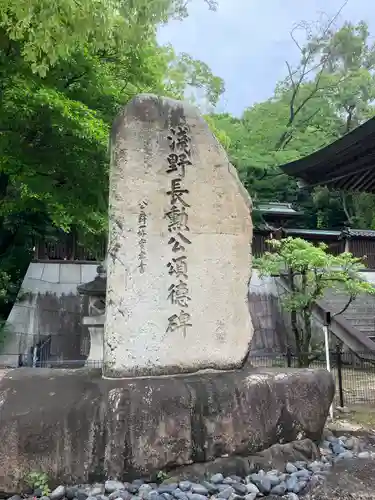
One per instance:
(76, 426)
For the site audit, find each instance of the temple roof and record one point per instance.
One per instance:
(275, 208)
(347, 164)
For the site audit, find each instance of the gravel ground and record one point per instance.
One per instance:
(297, 479)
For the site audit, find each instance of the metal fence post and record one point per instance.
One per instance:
(289, 356)
(327, 322)
(339, 374)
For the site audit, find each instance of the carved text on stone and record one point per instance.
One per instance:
(177, 217)
(142, 235)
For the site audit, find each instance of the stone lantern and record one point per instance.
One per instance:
(95, 291)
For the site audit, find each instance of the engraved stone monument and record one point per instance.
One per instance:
(179, 253)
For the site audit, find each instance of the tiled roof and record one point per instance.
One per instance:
(347, 164)
(359, 233)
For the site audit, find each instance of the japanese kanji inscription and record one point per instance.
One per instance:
(179, 246)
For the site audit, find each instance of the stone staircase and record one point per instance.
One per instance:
(360, 314)
(355, 327)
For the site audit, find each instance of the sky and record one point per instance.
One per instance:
(246, 42)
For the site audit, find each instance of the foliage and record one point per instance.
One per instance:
(48, 32)
(310, 271)
(326, 95)
(162, 476)
(5, 282)
(66, 69)
(39, 480)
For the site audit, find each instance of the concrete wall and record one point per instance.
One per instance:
(272, 327)
(49, 305)
(270, 331)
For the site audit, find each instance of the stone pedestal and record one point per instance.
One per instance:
(95, 326)
(77, 427)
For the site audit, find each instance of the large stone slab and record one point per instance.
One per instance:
(179, 246)
(75, 426)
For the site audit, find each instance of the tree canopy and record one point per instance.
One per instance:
(66, 68)
(310, 270)
(326, 95)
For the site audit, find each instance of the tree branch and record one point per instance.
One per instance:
(304, 70)
(74, 79)
(351, 298)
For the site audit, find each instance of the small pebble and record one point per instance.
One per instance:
(275, 480)
(279, 489)
(237, 479)
(337, 449)
(289, 468)
(133, 488)
(315, 466)
(120, 494)
(96, 490)
(239, 488)
(211, 488)
(349, 444)
(70, 492)
(81, 495)
(263, 483)
(185, 485)
(180, 495)
(58, 493)
(168, 488)
(228, 480)
(301, 485)
(292, 496)
(291, 483)
(144, 491)
(217, 478)
(251, 489)
(226, 493)
(198, 488)
(196, 496)
(110, 486)
(364, 454)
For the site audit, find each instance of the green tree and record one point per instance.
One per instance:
(64, 74)
(310, 271)
(47, 32)
(330, 91)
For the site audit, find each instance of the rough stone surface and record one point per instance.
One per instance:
(276, 456)
(77, 427)
(175, 304)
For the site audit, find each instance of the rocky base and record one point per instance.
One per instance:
(343, 470)
(77, 427)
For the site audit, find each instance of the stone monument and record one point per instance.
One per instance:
(175, 301)
(179, 254)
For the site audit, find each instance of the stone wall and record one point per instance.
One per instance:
(48, 305)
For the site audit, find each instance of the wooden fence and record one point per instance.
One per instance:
(68, 247)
